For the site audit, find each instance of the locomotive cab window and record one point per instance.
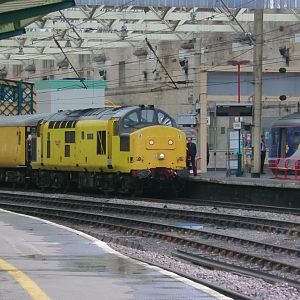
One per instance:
(131, 120)
(164, 119)
(143, 117)
(147, 116)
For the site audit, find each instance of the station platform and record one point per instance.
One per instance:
(41, 260)
(267, 179)
(216, 185)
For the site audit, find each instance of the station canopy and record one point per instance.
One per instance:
(28, 29)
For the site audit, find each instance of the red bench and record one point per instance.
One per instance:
(286, 167)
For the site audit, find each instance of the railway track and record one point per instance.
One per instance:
(219, 219)
(96, 214)
(189, 201)
(226, 204)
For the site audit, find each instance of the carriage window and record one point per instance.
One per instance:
(164, 119)
(296, 140)
(131, 120)
(283, 142)
(275, 138)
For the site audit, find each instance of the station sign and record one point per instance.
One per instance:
(234, 110)
(237, 125)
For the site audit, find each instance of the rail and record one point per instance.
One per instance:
(285, 168)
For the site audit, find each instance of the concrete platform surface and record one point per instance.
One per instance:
(42, 261)
(267, 179)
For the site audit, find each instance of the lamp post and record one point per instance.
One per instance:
(238, 63)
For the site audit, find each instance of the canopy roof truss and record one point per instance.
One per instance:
(88, 29)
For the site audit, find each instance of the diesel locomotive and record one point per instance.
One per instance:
(130, 150)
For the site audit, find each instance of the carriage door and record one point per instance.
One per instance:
(283, 143)
(29, 145)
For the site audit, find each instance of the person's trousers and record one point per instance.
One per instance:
(262, 160)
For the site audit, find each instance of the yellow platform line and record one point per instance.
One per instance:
(30, 286)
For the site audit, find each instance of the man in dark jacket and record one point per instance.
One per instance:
(263, 150)
(191, 152)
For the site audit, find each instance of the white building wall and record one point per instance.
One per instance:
(53, 100)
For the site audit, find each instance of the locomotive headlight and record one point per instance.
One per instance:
(151, 142)
(161, 156)
(170, 142)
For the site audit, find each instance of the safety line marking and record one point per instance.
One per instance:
(28, 285)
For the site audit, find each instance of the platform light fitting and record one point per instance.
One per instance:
(68, 44)
(124, 32)
(282, 97)
(21, 51)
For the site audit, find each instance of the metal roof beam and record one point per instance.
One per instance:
(106, 14)
(257, 4)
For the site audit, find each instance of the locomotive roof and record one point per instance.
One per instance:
(289, 120)
(75, 115)
(105, 113)
(22, 120)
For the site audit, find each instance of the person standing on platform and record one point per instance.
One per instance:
(207, 154)
(263, 150)
(191, 152)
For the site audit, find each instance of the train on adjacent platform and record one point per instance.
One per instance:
(285, 138)
(126, 150)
